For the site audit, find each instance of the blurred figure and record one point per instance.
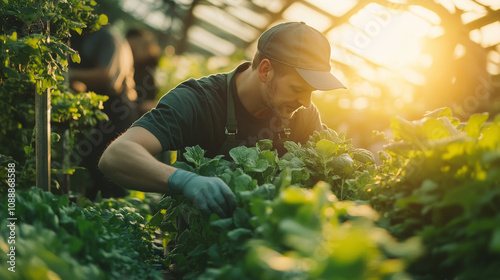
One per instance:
(146, 52)
(107, 68)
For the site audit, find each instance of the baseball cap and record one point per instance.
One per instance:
(306, 49)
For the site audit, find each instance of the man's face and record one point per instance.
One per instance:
(288, 93)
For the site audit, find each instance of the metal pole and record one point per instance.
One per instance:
(42, 126)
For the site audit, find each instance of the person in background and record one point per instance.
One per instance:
(267, 98)
(107, 68)
(146, 52)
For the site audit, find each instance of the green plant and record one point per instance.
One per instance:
(330, 157)
(106, 240)
(34, 52)
(439, 180)
(277, 229)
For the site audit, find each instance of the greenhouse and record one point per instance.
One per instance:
(258, 139)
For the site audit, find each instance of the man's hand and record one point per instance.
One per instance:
(209, 194)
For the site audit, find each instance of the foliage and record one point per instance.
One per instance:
(107, 240)
(34, 52)
(309, 234)
(439, 180)
(328, 157)
(278, 230)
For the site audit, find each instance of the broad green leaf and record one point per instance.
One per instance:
(325, 148)
(475, 123)
(457, 149)
(260, 167)
(239, 234)
(435, 129)
(363, 155)
(405, 130)
(450, 124)
(244, 156)
(242, 182)
(441, 112)
(328, 134)
(194, 155)
(490, 138)
(294, 163)
(222, 223)
(342, 163)
(292, 146)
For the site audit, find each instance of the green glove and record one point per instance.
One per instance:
(209, 194)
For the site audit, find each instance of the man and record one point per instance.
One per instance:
(267, 98)
(146, 52)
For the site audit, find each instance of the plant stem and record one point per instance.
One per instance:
(342, 190)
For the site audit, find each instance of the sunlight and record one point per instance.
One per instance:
(300, 12)
(335, 7)
(388, 37)
(486, 36)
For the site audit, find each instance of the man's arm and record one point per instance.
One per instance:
(129, 161)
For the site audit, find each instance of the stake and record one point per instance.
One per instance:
(42, 118)
(42, 126)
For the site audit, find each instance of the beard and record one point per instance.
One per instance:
(270, 94)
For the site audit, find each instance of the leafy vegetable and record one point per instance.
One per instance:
(279, 230)
(439, 180)
(56, 241)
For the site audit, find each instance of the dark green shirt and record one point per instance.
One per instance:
(194, 113)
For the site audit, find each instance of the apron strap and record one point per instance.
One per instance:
(231, 122)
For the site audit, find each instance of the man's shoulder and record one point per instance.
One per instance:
(206, 83)
(199, 94)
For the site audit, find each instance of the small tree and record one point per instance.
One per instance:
(34, 50)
